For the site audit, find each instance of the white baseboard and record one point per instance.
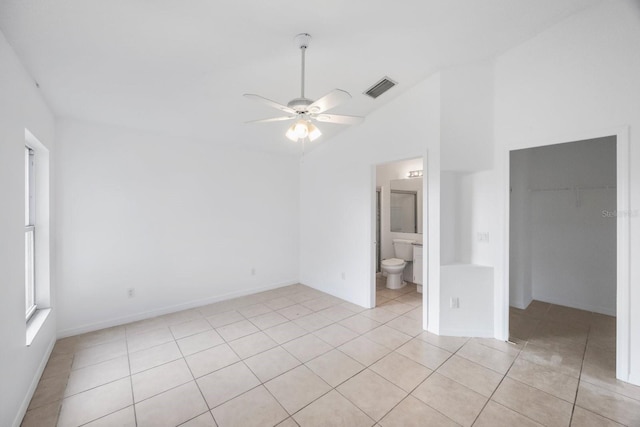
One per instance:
(34, 384)
(475, 333)
(602, 310)
(167, 310)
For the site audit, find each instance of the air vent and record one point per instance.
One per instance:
(380, 87)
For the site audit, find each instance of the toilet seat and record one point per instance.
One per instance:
(392, 262)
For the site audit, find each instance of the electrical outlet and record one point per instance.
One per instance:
(131, 292)
(454, 302)
(483, 236)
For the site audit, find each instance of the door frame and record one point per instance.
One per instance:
(623, 248)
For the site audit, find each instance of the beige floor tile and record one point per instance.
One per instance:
(565, 362)
(227, 383)
(380, 314)
(43, 416)
(255, 408)
(154, 356)
(289, 422)
(96, 375)
(336, 313)
(416, 313)
(123, 418)
(285, 332)
(199, 342)
(569, 315)
(332, 409)
(400, 370)
(101, 336)
(407, 325)
(413, 413)
(335, 367)
(149, 339)
(335, 334)
(172, 407)
(451, 344)
(496, 415)
(58, 364)
(353, 307)
(537, 309)
(387, 337)
(360, 324)
(99, 353)
(521, 326)
(160, 379)
(606, 378)
(271, 363)
(476, 377)
(533, 403)
(182, 316)
(254, 310)
(237, 330)
(145, 325)
(95, 403)
(424, 353)
(307, 347)
(511, 348)
(67, 346)
(204, 420)
(211, 360)
(486, 356)
(295, 311)
(545, 379)
(49, 390)
(252, 344)
(412, 298)
(313, 322)
(447, 397)
(609, 404)
(364, 350)
(374, 395)
(397, 307)
(226, 318)
(583, 418)
(278, 303)
(189, 328)
(297, 388)
(267, 320)
(318, 304)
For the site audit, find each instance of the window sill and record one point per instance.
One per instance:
(35, 323)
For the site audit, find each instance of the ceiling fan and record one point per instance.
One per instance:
(305, 111)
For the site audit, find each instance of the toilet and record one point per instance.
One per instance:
(394, 267)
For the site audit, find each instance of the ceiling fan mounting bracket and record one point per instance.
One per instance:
(302, 40)
(300, 104)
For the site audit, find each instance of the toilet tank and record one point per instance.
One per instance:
(403, 249)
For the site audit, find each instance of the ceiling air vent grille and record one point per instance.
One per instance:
(380, 87)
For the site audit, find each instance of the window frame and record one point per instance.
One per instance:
(30, 234)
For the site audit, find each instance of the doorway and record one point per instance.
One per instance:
(576, 217)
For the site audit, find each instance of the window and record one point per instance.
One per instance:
(29, 233)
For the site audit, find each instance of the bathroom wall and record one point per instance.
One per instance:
(179, 221)
(385, 173)
(21, 107)
(563, 247)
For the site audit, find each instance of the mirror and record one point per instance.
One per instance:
(406, 205)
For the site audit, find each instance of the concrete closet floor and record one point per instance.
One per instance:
(296, 356)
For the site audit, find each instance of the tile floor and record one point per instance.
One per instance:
(295, 356)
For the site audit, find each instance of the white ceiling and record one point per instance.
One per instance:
(181, 66)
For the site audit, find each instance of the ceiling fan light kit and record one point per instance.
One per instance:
(303, 110)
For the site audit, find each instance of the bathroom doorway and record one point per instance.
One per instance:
(399, 200)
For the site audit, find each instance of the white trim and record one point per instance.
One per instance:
(167, 310)
(35, 323)
(476, 333)
(22, 411)
(623, 308)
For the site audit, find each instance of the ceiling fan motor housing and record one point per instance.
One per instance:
(301, 105)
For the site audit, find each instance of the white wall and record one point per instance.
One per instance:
(338, 194)
(572, 255)
(181, 221)
(578, 77)
(21, 107)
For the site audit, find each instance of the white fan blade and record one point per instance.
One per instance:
(274, 119)
(330, 100)
(270, 103)
(339, 119)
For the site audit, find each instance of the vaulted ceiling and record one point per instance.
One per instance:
(181, 66)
